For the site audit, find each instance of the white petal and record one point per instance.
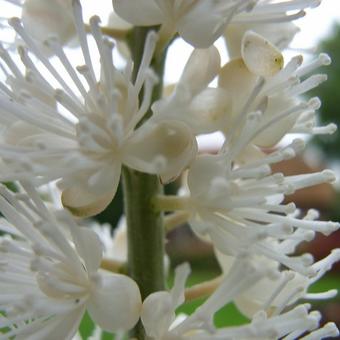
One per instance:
(139, 13)
(280, 35)
(209, 111)
(83, 202)
(22, 133)
(165, 148)
(261, 57)
(201, 68)
(157, 314)
(273, 134)
(238, 82)
(17, 133)
(202, 172)
(202, 24)
(250, 154)
(117, 22)
(43, 19)
(115, 302)
(224, 261)
(62, 327)
(177, 292)
(89, 247)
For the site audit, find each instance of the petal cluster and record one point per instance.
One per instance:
(85, 127)
(79, 123)
(158, 309)
(201, 22)
(51, 276)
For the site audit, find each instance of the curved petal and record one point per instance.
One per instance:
(115, 302)
(200, 226)
(177, 291)
(261, 57)
(238, 81)
(82, 201)
(164, 148)
(201, 68)
(280, 35)
(209, 111)
(278, 130)
(89, 247)
(158, 310)
(250, 154)
(118, 23)
(202, 24)
(139, 13)
(157, 314)
(43, 19)
(202, 172)
(225, 261)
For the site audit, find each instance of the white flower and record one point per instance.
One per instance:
(266, 97)
(202, 108)
(86, 138)
(239, 207)
(273, 295)
(158, 311)
(198, 22)
(201, 22)
(50, 276)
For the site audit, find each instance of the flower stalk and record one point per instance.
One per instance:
(171, 203)
(144, 224)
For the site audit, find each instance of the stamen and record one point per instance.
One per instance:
(329, 330)
(149, 49)
(79, 23)
(322, 60)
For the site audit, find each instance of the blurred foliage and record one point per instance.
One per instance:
(329, 93)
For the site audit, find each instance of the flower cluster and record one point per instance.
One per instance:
(51, 276)
(77, 124)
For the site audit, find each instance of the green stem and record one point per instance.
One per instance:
(171, 203)
(145, 229)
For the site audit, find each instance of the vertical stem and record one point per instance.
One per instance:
(145, 225)
(145, 231)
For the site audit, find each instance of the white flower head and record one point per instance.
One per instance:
(201, 22)
(275, 294)
(158, 311)
(86, 138)
(51, 276)
(266, 97)
(239, 208)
